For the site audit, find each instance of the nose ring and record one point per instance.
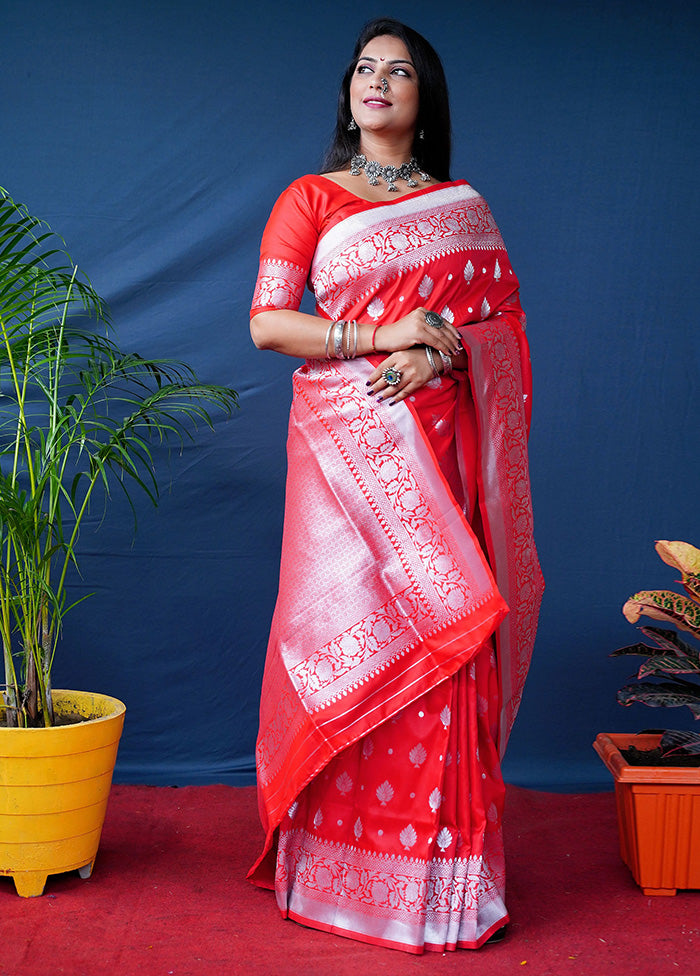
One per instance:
(385, 86)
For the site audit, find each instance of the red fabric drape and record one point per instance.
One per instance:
(387, 596)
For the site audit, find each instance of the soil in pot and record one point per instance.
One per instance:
(655, 757)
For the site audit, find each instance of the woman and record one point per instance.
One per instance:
(396, 662)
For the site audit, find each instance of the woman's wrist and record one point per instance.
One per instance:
(347, 339)
(369, 338)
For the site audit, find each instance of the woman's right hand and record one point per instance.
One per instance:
(413, 330)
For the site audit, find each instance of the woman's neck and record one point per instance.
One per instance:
(386, 152)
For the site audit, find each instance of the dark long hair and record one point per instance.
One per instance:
(433, 151)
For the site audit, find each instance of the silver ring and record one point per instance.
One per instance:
(392, 377)
(434, 320)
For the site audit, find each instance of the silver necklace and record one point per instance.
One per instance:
(374, 171)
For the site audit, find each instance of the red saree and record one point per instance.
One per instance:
(396, 661)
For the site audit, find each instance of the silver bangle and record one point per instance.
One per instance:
(446, 362)
(431, 360)
(349, 337)
(338, 338)
(328, 335)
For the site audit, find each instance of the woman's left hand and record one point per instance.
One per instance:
(414, 372)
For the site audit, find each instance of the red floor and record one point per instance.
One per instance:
(168, 897)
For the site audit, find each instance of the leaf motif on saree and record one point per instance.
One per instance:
(408, 837)
(418, 755)
(435, 799)
(385, 792)
(444, 839)
(344, 783)
(375, 308)
(426, 286)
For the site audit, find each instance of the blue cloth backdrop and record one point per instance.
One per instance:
(155, 138)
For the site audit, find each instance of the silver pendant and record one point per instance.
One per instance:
(374, 171)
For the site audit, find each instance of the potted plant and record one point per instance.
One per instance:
(77, 417)
(657, 775)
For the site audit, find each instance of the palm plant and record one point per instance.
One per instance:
(77, 417)
(671, 657)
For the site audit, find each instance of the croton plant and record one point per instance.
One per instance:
(669, 675)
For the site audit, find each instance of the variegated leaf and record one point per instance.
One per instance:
(691, 585)
(674, 740)
(664, 605)
(665, 694)
(680, 555)
(668, 664)
(670, 641)
(639, 649)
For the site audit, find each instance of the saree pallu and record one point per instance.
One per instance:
(394, 669)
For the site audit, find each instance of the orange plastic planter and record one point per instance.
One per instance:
(54, 786)
(658, 813)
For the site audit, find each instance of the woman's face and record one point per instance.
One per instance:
(384, 96)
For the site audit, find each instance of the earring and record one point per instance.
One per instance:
(352, 125)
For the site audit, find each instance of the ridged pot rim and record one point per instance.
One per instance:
(609, 744)
(114, 708)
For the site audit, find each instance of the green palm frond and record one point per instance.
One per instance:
(76, 414)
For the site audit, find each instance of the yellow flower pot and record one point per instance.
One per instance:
(54, 786)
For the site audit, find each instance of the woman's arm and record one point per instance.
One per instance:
(304, 336)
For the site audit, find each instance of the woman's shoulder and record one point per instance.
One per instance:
(311, 185)
(303, 207)
(310, 193)
(311, 197)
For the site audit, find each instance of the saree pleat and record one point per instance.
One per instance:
(398, 841)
